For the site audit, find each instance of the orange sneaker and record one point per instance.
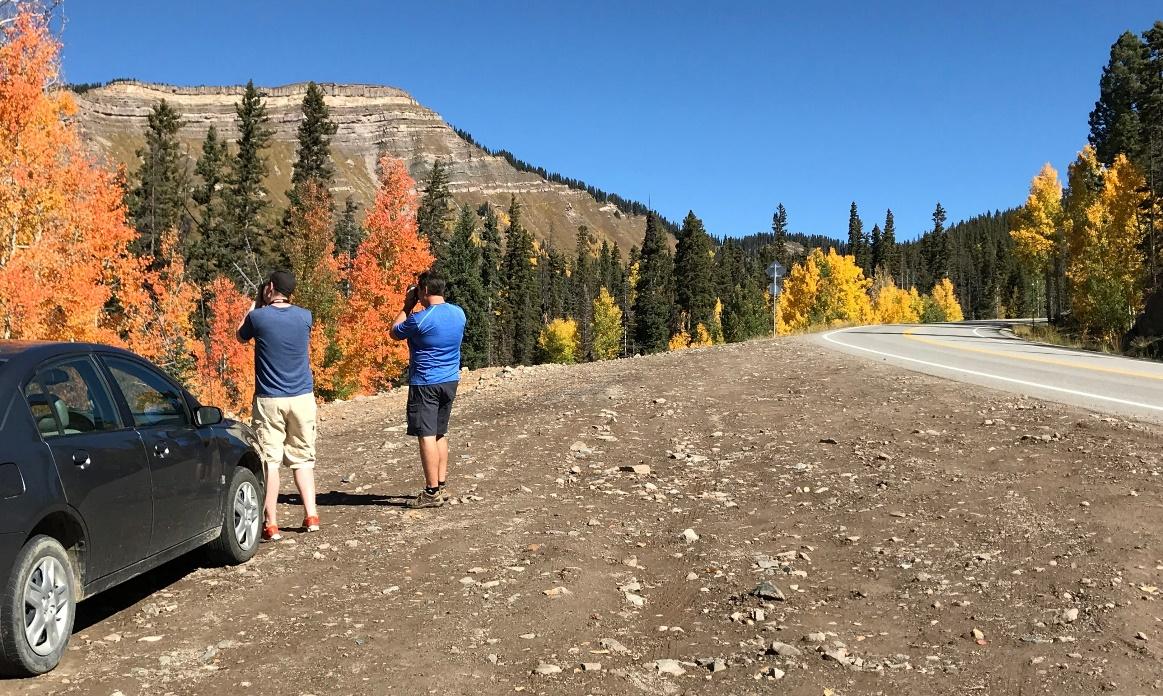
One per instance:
(270, 532)
(311, 523)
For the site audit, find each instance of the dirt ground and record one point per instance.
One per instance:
(916, 536)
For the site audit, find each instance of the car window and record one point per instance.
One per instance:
(152, 399)
(67, 398)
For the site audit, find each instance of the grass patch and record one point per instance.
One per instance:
(1045, 333)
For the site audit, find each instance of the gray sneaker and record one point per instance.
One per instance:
(443, 494)
(424, 499)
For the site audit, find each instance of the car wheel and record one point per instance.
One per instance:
(39, 605)
(241, 520)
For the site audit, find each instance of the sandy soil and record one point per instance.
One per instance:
(916, 536)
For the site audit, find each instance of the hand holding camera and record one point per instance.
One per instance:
(411, 298)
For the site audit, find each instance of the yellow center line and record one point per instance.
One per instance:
(1033, 358)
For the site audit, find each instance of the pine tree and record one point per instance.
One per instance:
(779, 236)
(491, 256)
(1115, 122)
(519, 310)
(466, 289)
(858, 246)
(348, 232)
(157, 202)
(888, 248)
(583, 288)
(694, 274)
(208, 255)
(654, 306)
(249, 241)
(436, 208)
(313, 159)
(876, 249)
(939, 247)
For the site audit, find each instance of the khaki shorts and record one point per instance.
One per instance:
(286, 430)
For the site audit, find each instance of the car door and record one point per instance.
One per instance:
(185, 480)
(101, 462)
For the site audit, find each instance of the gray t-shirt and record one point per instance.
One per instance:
(282, 362)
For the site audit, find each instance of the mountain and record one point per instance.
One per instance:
(371, 120)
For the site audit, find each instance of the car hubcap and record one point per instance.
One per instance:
(246, 515)
(47, 604)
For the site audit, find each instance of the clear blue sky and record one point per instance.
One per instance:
(724, 108)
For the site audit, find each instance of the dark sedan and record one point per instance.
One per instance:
(108, 468)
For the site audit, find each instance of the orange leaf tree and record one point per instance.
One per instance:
(386, 263)
(226, 369)
(65, 268)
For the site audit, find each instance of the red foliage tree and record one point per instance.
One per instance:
(386, 263)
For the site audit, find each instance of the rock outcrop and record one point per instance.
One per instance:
(371, 120)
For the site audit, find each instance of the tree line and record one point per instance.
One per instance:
(1091, 247)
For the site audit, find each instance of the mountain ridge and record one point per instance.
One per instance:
(371, 119)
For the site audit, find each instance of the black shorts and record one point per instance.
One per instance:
(429, 407)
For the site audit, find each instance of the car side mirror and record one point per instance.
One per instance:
(208, 415)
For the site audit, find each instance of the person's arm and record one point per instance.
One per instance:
(245, 331)
(399, 330)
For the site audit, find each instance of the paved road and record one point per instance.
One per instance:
(986, 353)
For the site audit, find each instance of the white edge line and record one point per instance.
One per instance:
(1011, 380)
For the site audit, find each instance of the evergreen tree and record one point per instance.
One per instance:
(779, 236)
(313, 160)
(519, 311)
(491, 255)
(1115, 122)
(654, 304)
(157, 202)
(584, 285)
(876, 249)
(888, 249)
(348, 232)
(249, 242)
(466, 289)
(936, 248)
(208, 255)
(434, 215)
(857, 241)
(694, 275)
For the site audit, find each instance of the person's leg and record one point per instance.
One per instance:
(299, 453)
(430, 460)
(444, 415)
(269, 427)
(442, 452)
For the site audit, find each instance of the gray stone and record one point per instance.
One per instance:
(766, 590)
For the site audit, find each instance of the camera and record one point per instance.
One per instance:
(260, 297)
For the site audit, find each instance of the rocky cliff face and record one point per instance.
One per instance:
(371, 120)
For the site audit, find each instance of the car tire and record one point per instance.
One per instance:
(241, 520)
(33, 637)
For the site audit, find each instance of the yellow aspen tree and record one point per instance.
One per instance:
(895, 305)
(679, 341)
(607, 327)
(702, 337)
(1106, 269)
(845, 291)
(1038, 233)
(798, 297)
(558, 341)
(945, 300)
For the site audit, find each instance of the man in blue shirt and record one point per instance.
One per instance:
(434, 335)
(284, 395)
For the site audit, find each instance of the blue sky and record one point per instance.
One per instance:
(724, 108)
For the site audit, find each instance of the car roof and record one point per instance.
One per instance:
(46, 349)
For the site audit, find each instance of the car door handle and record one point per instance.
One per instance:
(162, 450)
(81, 459)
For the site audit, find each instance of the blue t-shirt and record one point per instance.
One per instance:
(434, 337)
(282, 362)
